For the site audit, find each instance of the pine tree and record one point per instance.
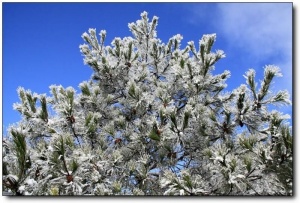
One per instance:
(152, 120)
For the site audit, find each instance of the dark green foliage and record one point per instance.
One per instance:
(44, 112)
(20, 150)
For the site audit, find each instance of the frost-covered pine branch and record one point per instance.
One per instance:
(153, 119)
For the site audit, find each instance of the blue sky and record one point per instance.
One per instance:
(40, 41)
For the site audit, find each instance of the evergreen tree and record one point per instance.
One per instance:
(152, 120)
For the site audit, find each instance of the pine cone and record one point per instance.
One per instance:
(71, 119)
(69, 178)
(128, 64)
(172, 155)
(158, 131)
(118, 140)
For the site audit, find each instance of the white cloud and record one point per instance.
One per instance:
(260, 27)
(262, 30)
(260, 33)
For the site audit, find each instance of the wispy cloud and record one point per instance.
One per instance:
(262, 31)
(262, 28)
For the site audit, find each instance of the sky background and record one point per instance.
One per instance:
(40, 41)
